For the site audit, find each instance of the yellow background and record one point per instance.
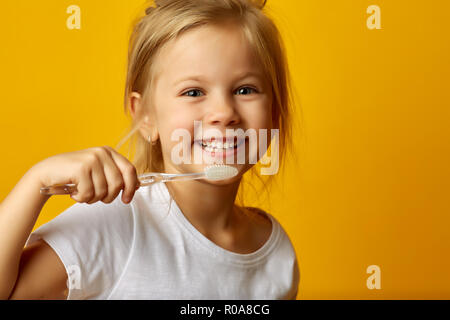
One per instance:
(372, 184)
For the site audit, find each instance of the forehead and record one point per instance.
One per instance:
(211, 50)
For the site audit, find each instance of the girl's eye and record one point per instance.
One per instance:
(192, 93)
(242, 89)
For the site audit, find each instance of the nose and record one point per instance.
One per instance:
(222, 112)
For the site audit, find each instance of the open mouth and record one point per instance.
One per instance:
(218, 147)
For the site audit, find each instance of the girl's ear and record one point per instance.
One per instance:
(135, 106)
(139, 113)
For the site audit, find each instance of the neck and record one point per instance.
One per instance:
(209, 207)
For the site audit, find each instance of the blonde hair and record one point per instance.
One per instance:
(167, 19)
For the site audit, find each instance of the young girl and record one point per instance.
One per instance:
(218, 62)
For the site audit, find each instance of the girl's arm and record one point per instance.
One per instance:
(26, 273)
(100, 173)
(41, 274)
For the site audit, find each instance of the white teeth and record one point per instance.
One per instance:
(217, 145)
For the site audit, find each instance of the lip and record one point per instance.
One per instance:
(220, 154)
(231, 139)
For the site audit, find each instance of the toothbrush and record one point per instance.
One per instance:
(212, 172)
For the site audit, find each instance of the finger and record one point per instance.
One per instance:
(99, 181)
(85, 187)
(113, 177)
(129, 174)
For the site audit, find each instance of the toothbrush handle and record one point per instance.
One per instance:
(157, 177)
(145, 180)
(59, 189)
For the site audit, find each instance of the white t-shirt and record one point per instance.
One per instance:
(147, 249)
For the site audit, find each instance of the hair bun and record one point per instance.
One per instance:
(259, 3)
(149, 10)
(263, 3)
(153, 6)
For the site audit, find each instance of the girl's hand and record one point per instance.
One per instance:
(99, 173)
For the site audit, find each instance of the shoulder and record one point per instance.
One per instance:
(93, 242)
(268, 222)
(283, 257)
(89, 221)
(284, 246)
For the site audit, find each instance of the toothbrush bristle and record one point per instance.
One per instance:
(220, 172)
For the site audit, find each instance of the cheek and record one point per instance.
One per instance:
(176, 124)
(177, 115)
(258, 118)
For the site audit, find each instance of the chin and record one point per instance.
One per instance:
(220, 183)
(233, 180)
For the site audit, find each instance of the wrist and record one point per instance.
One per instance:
(33, 178)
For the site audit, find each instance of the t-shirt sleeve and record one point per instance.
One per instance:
(290, 266)
(93, 242)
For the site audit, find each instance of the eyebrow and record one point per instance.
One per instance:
(200, 78)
